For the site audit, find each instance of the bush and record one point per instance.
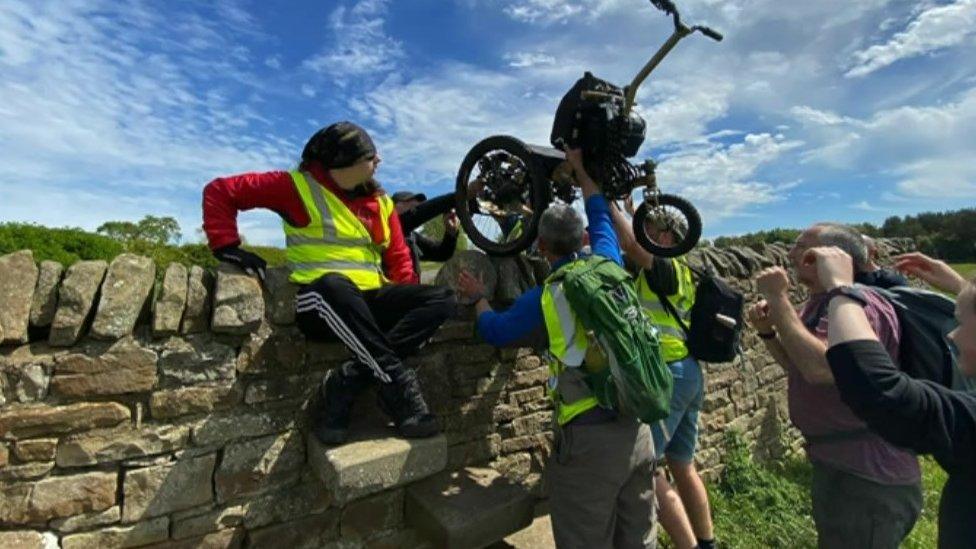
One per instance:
(68, 245)
(65, 245)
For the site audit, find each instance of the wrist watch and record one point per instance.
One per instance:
(850, 292)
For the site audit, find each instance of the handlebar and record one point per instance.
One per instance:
(711, 33)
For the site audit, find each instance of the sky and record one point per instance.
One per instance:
(807, 111)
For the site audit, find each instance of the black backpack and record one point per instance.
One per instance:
(716, 319)
(925, 319)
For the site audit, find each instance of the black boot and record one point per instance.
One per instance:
(330, 416)
(403, 401)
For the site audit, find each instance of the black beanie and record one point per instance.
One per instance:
(339, 146)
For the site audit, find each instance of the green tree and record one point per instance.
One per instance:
(150, 231)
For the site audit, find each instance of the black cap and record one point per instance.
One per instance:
(406, 196)
(339, 146)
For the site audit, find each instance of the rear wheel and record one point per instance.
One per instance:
(500, 195)
(667, 213)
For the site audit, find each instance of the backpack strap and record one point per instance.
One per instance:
(669, 307)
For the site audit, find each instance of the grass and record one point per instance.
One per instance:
(968, 270)
(768, 505)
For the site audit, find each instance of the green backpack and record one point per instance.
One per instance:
(633, 378)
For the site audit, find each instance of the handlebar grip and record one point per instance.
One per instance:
(714, 35)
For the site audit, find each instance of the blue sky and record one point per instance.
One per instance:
(808, 111)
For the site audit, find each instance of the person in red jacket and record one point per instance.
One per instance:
(347, 252)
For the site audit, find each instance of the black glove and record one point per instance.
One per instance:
(250, 263)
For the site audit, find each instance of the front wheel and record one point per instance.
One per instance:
(500, 195)
(668, 225)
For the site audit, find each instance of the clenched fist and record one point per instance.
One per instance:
(758, 317)
(772, 282)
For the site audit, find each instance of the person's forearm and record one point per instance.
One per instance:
(848, 322)
(587, 185)
(628, 243)
(426, 211)
(482, 306)
(775, 348)
(805, 351)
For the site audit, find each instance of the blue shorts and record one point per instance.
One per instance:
(677, 435)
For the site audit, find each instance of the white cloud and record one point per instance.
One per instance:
(721, 179)
(935, 28)
(308, 90)
(90, 111)
(361, 45)
(542, 11)
(927, 149)
(273, 62)
(525, 59)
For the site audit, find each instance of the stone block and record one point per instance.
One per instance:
(473, 261)
(284, 505)
(109, 445)
(39, 449)
(118, 537)
(196, 359)
(162, 489)
(530, 378)
(532, 423)
(531, 442)
(311, 532)
(238, 302)
(199, 298)
(18, 278)
(198, 525)
(224, 539)
(125, 293)
(468, 509)
(57, 497)
(32, 382)
(89, 521)
(365, 517)
(375, 462)
(171, 301)
(223, 428)
(28, 539)
(280, 295)
(4, 455)
(26, 471)
(283, 349)
(45, 301)
(124, 368)
(280, 388)
(199, 399)
(520, 398)
(259, 465)
(36, 421)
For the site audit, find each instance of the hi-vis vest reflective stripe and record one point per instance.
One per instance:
(568, 345)
(671, 335)
(335, 240)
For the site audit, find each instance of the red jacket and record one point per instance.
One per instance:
(225, 196)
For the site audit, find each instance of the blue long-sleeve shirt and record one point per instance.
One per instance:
(501, 328)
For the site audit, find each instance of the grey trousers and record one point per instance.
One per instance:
(850, 511)
(601, 486)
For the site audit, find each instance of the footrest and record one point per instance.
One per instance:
(374, 461)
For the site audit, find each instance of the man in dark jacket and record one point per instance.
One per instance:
(921, 415)
(414, 210)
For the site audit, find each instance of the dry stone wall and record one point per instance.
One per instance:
(174, 414)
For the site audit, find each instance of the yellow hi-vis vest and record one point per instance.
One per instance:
(672, 337)
(335, 240)
(574, 355)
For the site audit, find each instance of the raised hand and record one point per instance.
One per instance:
(834, 266)
(936, 273)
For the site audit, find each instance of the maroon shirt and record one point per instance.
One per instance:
(817, 410)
